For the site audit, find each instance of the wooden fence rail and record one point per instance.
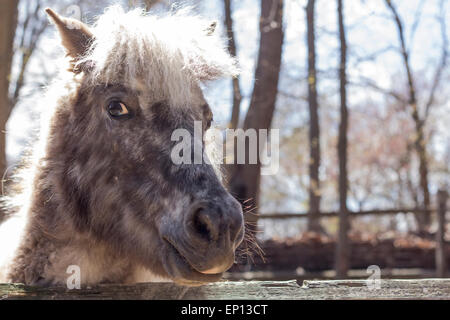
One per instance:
(351, 213)
(253, 290)
(440, 211)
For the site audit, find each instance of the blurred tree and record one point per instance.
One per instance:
(29, 31)
(244, 179)
(420, 118)
(314, 127)
(150, 3)
(342, 250)
(235, 81)
(147, 4)
(8, 24)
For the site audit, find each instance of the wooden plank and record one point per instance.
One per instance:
(304, 215)
(284, 275)
(261, 290)
(220, 290)
(388, 289)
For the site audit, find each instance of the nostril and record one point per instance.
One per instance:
(204, 226)
(219, 225)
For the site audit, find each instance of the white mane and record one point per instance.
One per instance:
(170, 53)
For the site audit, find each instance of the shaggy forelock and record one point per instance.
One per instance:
(169, 54)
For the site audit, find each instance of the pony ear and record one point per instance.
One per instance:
(215, 63)
(75, 35)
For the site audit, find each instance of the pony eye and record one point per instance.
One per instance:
(118, 110)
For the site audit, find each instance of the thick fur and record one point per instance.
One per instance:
(98, 192)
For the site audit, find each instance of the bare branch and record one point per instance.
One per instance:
(365, 82)
(292, 96)
(442, 64)
(416, 23)
(419, 143)
(372, 56)
(404, 52)
(33, 26)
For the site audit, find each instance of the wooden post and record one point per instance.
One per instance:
(441, 262)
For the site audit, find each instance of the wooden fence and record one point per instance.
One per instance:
(247, 290)
(350, 213)
(440, 211)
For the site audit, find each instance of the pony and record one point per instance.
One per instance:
(100, 191)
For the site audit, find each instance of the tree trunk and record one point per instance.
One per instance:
(423, 220)
(342, 252)
(314, 128)
(245, 178)
(148, 4)
(235, 81)
(8, 24)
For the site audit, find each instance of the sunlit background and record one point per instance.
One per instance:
(382, 164)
